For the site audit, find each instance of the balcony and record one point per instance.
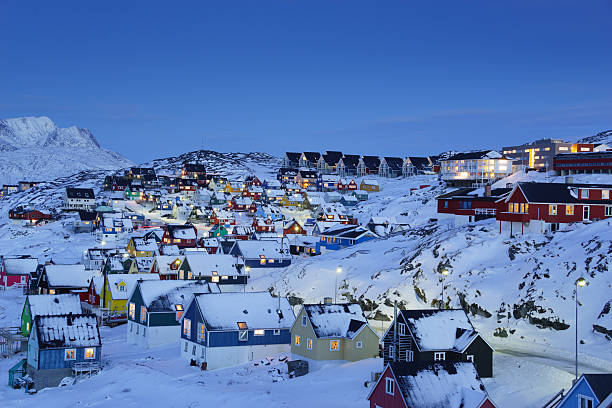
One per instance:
(513, 217)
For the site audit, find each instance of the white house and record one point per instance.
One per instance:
(79, 199)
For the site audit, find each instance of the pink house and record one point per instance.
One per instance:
(17, 270)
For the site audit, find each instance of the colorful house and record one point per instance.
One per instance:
(262, 253)
(333, 332)
(59, 345)
(221, 269)
(167, 266)
(17, 271)
(58, 279)
(183, 236)
(370, 185)
(591, 390)
(117, 289)
(155, 308)
(252, 326)
(43, 305)
(140, 247)
(342, 236)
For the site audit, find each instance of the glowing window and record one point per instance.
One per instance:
(187, 327)
(298, 340)
(259, 332)
(132, 310)
(143, 314)
(309, 344)
(569, 210)
(334, 345)
(552, 209)
(90, 353)
(242, 325)
(70, 354)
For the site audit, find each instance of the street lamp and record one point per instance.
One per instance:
(444, 275)
(338, 272)
(580, 282)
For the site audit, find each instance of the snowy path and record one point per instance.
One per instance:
(564, 364)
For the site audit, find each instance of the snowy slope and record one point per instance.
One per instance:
(37, 149)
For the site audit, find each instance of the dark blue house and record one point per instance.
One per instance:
(269, 253)
(225, 329)
(342, 236)
(61, 346)
(588, 392)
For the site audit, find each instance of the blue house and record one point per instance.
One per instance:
(269, 253)
(225, 329)
(588, 392)
(61, 346)
(342, 236)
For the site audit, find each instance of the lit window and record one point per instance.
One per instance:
(187, 327)
(90, 353)
(70, 354)
(334, 345)
(132, 310)
(605, 194)
(201, 332)
(516, 207)
(510, 207)
(298, 340)
(569, 210)
(259, 332)
(143, 314)
(390, 386)
(242, 325)
(552, 209)
(439, 356)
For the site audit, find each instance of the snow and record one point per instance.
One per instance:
(259, 310)
(267, 248)
(71, 276)
(205, 264)
(163, 294)
(20, 266)
(67, 331)
(335, 320)
(130, 281)
(438, 330)
(41, 305)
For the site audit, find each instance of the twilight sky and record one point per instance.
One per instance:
(153, 79)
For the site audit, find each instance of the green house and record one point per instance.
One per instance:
(36, 305)
(133, 194)
(218, 231)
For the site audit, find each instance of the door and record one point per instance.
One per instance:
(23, 279)
(585, 212)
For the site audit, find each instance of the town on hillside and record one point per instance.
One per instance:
(175, 251)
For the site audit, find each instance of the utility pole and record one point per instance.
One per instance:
(395, 350)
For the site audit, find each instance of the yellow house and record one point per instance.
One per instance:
(139, 265)
(117, 289)
(140, 247)
(369, 185)
(233, 187)
(333, 332)
(292, 201)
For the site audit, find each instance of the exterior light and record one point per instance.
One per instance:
(338, 270)
(445, 272)
(581, 282)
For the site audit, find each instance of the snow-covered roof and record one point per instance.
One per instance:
(204, 264)
(144, 263)
(67, 331)
(181, 231)
(141, 244)
(266, 248)
(259, 310)
(336, 320)
(127, 280)
(162, 295)
(370, 182)
(440, 385)
(440, 329)
(168, 249)
(164, 261)
(20, 266)
(70, 276)
(41, 305)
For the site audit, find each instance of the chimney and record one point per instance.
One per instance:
(569, 179)
(487, 191)
(327, 301)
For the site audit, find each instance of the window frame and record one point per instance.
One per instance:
(470, 358)
(73, 354)
(309, 344)
(243, 335)
(583, 398)
(389, 386)
(337, 342)
(359, 344)
(143, 314)
(187, 327)
(552, 209)
(569, 209)
(439, 356)
(401, 329)
(304, 320)
(297, 340)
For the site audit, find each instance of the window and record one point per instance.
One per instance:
(584, 402)
(409, 355)
(569, 210)
(242, 325)
(552, 209)
(359, 344)
(143, 314)
(144, 331)
(90, 353)
(193, 350)
(201, 332)
(277, 332)
(187, 327)
(179, 311)
(186, 345)
(121, 288)
(445, 203)
(259, 332)
(297, 340)
(243, 335)
(309, 344)
(439, 356)
(470, 357)
(132, 310)
(584, 193)
(304, 319)
(516, 207)
(390, 386)
(401, 329)
(510, 207)
(392, 352)
(608, 210)
(70, 354)
(334, 345)
(585, 212)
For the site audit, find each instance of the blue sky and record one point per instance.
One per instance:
(153, 79)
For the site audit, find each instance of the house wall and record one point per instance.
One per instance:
(379, 396)
(483, 357)
(369, 348)
(26, 318)
(54, 358)
(581, 388)
(148, 337)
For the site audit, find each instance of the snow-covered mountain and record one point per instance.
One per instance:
(35, 148)
(601, 137)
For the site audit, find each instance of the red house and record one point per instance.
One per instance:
(183, 236)
(221, 217)
(410, 384)
(29, 216)
(188, 185)
(263, 224)
(575, 163)
(541, 207)
(94, 291)
(293, 228)
(17, 271)
(195, 171)
(351, 186)
(471, 204)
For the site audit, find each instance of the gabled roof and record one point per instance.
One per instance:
(68, 276)
(350, 161)
(308, 174)
(293, 156)
(443, 384)
(87, 215)
(204, 264)
(312, 156)
(601, 384)
(420, 163)
(42, 305)
(181, 231)
(142, 244)
(475, 193)
(265, 248)
(194, 168)
(440, 329)
(561, 193)
(395, 163)
(85, 193)
(371, 162)
(259, 310)
(163, 263)
(347, 231)
(336, 320)
(67, 330)
(332, 158)
(20, 266)
(163, 295)
(129, 280)
(483, 154)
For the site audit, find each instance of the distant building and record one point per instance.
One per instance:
(475, 168)
(79, 199)
(583, 163)
(539, 154)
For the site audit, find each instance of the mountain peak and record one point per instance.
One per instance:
(26, 132)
